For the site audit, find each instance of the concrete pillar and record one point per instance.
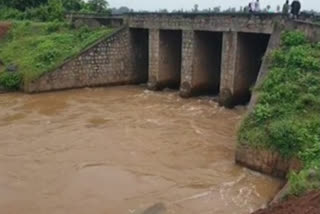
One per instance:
(187, 62)
(228, 68)
(154, 59)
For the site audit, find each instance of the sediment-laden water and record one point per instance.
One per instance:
(121, 150)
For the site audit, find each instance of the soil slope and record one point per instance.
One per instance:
(4, 28)
(308, 204)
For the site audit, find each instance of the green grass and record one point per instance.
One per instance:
(37, 48)
(286, 118)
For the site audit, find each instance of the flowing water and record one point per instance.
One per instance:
(122, 150)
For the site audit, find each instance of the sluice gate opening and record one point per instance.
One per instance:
(207, 62)
(140, 53)
(170, 59)
(251, 50)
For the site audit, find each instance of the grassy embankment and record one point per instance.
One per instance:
(35, 48)
(286, 118)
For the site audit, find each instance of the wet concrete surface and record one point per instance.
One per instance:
(123, 150)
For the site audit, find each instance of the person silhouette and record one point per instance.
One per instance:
(286, 7)
(295, 8)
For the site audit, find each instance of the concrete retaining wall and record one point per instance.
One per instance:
(265, 161)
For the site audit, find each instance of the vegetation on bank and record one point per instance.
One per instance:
(33, 48)
(48, 10)
(286, 118)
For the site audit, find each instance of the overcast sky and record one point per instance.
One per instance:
(188, 4)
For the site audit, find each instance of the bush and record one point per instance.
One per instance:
(11, 14)
(83, 32)
(286, 136)
(307, 101)
(10, 81)
(298, 183)
(56, 10)
(262, 112)
(47, 52)
(38, 13)
(54, 26)
(294, 38)
(306, 180)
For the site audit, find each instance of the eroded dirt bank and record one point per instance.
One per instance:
(308, 204)
(4, 28)
(120, 150)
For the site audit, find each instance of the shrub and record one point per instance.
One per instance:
(294, 38)
(83, 32)
(285, 138)
(10, 81)
(11, 13)
(308, 100)
(47, 52)
(306, 180)
(38, 13)
(56, 10)
(298, 183)
(54, 26)
(262, 112)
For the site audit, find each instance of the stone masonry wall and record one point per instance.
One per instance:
(107, 62)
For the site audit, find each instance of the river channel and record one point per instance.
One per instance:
(121, 150)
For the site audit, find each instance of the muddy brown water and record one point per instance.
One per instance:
(123, 150)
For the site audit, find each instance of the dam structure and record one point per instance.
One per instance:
(214, 54)
(127, 149)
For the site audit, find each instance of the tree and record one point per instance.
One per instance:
(120, 10)
(55, 10)
(22, 4)
(98, 6)
(163, 11)
(73, 5)
(217, 9)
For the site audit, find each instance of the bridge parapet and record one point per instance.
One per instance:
(255, 23)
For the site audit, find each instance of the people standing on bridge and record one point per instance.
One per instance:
(252, 6)
(257, 6)
(250, 9)
(286, 7)
(295, 8)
